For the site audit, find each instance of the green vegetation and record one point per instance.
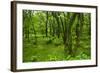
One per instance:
(56, 36)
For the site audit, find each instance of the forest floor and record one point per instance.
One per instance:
(46, 50)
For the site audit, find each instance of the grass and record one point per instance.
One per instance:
(47, 50)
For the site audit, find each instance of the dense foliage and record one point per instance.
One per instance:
(56, 36)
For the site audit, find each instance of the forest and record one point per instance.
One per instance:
(56, 36)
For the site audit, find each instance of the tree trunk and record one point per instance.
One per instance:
(47, 24)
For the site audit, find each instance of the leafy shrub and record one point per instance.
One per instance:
(49, 41)
(52, 57)
(34, 59)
